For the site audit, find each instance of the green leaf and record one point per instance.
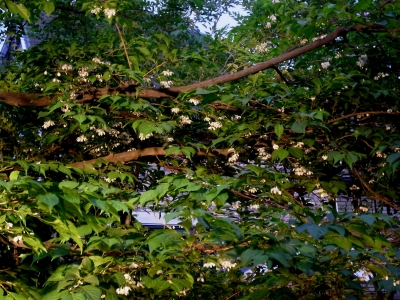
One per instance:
(369, 219)
(80, 118)
(279, 130)
(19, 9)
(317, 231)
(48, 8)
(300, 127)
(296, 152)
(48, 199)
(174, 150)
(91, 292)
(188, 152)
(148, 196)
(14, 175)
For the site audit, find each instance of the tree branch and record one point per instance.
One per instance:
(375, 195)
(363, 113)
(25, 99)
(124, 157)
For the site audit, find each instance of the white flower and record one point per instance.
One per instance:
(272, 18)
(194, 101)
(17, 239)
(389, 110)
(363, 208)
(167, 73)
(100, 132)
(226, 264)
(253, 190)
(214, 125)
(185, 120)
(324, 157)
(201, 278)
(8, 225)
(275, 1)
(275, 191)
(109, 12)
(362, 60)
(236, 117)
(95, 10)
(175, 110)
(45, 73)
(254, 206)
(133, 266)
(312, 98)
(123, 291)
(325, 65)
(58, 74)
(268, 25)
(47, 124)
(262, 48)
(127, 277)
(143, 137)
(207, 119)
(299, 145)
(81, 138)
(387, 127)
(209, 265)
(166, 84)
(83, 72)
(303, 41)
(170, 139)
(354, 188)
(159, 272)
(275, 146)
(56, 80)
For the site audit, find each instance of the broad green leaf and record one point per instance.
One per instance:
(48, 199)
(278, 130)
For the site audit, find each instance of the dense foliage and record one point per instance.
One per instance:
(249, 138)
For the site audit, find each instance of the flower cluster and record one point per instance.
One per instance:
(143, 137)
(262, 153)
(380, 75)
(100, 62)
(226, 264)
(81, 139)
(48, 124)
(262, 48)
(362, 60)
(194, 101)
(214, 125)
(109, 12)
(167, 73)
(167, 84)
(319, 38)
(301, 171)
(209, 265)
(175, 110)
(66, 67)
(354, 188)
(124, 291)
(234, 157)
(275, 190)
(325, 65)
(185, 120)
(322, 193)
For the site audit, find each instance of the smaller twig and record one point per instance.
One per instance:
(377, 196)
(124, 45)
(363, 113)
(163, 63)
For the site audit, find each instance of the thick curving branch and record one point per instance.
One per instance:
(26, 99)
(128, 156)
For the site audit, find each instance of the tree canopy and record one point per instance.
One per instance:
(275, 145)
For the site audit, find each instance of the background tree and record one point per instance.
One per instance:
(244, 136)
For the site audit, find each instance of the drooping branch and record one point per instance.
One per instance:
(128, 156)
(26, 99)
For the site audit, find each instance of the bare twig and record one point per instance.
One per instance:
(124, 45)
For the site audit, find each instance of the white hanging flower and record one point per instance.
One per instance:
(8, 225)
(167, 84)
(324, 157)
(275, 191)
(58, 74)
(226, 264)
(81, 139)
(123, 291)
(17, 239)
(303, 41)
(268, 25)
(100, 132)
(194, 101)
(167, 73)
(175, 110)
(275, 146)
(214, 125)
(127, 277)
(133, 266)
(109, 12)
(325, 65)
(185, 120)
(253, 190)
(272, 18)
(209, 265)
(48, 124)
(95, 10)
